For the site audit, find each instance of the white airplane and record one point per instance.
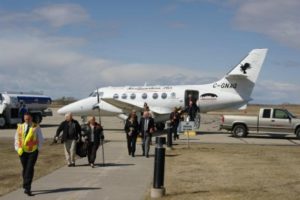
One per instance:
(232, 91)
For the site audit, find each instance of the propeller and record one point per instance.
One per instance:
(98, 107)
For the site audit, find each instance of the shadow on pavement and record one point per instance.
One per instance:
(60, 190)
(113, 165)
(270, 136)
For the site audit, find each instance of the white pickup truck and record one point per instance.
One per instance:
(269, 120)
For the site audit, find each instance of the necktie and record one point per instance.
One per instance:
(27, 130)
(146, 125)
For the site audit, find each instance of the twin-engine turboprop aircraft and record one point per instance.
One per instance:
(232, 91)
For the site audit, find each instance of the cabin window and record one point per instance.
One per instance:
(144, 96)
(164, 95)
(116, 96)
(124, 96)
(267, 113)
(173, 95)
(132, 96)
(155, 96)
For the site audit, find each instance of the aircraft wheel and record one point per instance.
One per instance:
(239, 130)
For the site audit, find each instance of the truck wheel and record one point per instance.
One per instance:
(2, 122)
(37, 118)
(298, 133)
(239, 131)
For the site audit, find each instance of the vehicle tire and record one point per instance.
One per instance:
(239, 130)
(37, 118)
(298, 132)
(2, 122)
(160, 126)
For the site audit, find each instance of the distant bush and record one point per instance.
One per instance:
(63, 101)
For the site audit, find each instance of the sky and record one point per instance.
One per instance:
(69, 48)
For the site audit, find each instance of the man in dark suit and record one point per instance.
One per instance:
(147, 128)
(174, 122)
(71, 133)
(192, 110)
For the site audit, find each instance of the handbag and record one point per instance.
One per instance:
(81, 149)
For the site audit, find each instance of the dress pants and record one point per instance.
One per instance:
(131, 143)
(28, 161)
(146, 144)
(70, 151)
(92, 152)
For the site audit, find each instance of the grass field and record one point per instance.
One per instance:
(231, 172)
(51, 157)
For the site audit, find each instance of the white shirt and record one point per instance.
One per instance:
(92, 133)
(39, 137)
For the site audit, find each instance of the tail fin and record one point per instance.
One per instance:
(241, 79)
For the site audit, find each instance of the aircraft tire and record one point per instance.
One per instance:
(239, 130)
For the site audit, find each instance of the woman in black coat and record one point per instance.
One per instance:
(93, 135)
(131, 129)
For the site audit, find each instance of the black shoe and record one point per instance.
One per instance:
(143, 154)
(92, 165)
(147, 156)
(133, 155)
(73, 164)
(29, 193)
(69, 165)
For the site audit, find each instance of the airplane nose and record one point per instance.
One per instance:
(62, 111)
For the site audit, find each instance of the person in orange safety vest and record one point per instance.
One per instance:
(28, 142)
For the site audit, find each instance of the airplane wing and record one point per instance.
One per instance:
(128, 106)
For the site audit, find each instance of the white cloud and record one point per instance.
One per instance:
(55, 15)
(269, 91)
(275, 18)
(53, 65)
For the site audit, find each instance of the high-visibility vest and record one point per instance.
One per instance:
(30, 143)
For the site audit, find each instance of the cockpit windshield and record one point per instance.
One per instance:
(94, 94)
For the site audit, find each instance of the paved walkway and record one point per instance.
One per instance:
(123, 177)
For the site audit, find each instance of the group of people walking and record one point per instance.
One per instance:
(72, 133)
(29, 137)
(143, 128)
